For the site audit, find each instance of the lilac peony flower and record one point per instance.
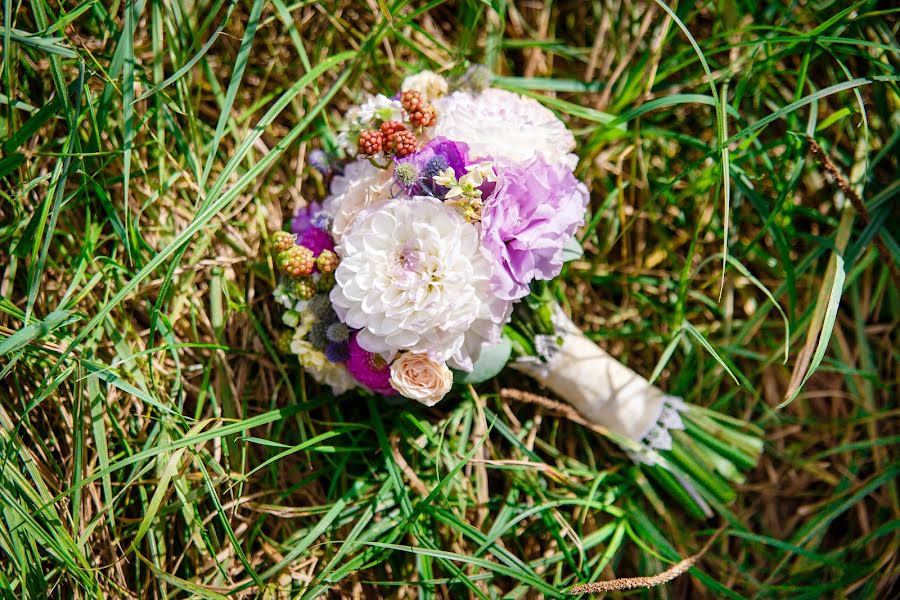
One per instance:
(534, 210)
(369, 369)
(414, 173)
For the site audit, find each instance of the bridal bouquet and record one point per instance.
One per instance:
(423, 267)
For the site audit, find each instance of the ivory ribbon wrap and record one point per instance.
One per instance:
(602, 389)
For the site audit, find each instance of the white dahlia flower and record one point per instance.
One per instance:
(360, 186)
(501, 124)
(413, 276)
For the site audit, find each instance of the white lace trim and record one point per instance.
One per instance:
(658, 437)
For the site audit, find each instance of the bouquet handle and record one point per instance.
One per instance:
(694, 452)
(603, 390)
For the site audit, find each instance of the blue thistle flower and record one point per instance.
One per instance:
(435, 165)
(318, 160)
(338, 332)
(320, 220)
(406, 174)
(337, 352)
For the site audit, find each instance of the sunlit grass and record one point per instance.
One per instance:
(155, 443)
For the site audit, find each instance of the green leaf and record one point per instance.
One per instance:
(572, 250)
(834, 302)
(36, 121)
(492, 360)
(10, 163)
(29, 333)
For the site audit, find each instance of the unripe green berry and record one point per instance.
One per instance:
(296, 262)
(326, 282)
(327, 261)
(304, 289)
(283, 342)
(282, 240)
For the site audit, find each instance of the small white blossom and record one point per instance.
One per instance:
(290, 318)
(465, 193)
(344, 141)
(310, 358)
(446, 178)
(480, 172)
(319, 367)
(379, 108)
(350, 129)
(336, 376)
(281, 296)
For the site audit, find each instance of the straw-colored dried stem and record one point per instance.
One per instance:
(560, 408)
(630, 583)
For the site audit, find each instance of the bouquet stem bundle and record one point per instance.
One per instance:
(694, 453)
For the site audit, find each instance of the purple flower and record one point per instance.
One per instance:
(369, 369)
(430, 160)
(316, 240)
(307, 224)
(303, 219)
(535, 208)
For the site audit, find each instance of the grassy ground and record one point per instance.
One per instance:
(155, 444)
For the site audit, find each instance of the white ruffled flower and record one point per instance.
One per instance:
(379, 108)
(362, 185)
(418, 377)
(501, 124)
(428, 83)
(413, 276)
(319, 367)
(337, 376)
(310, 358)
(305, 323)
